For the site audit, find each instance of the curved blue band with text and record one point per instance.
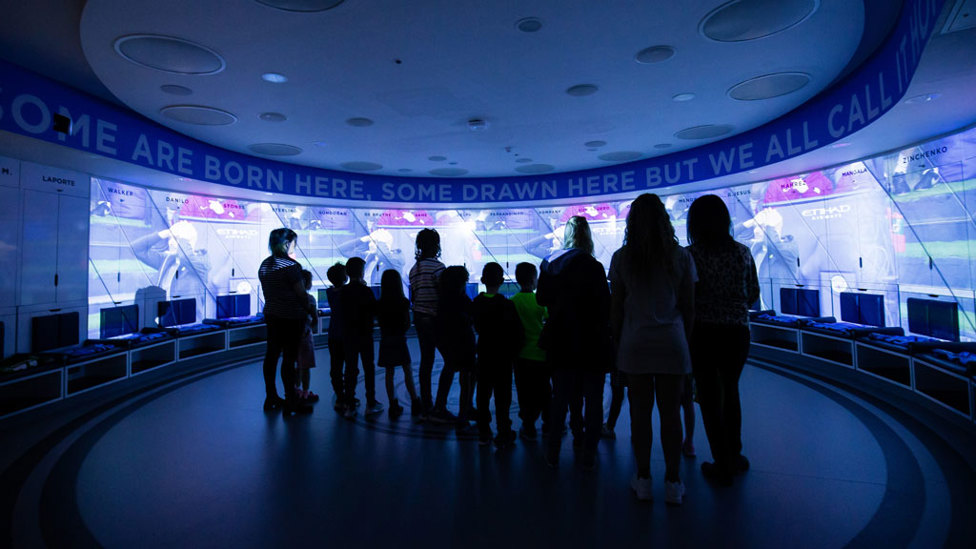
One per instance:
(28, 103)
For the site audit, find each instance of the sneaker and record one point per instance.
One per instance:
(373, 408)
(641, 488)
(674, 492)
(528, 432)
(688, 449)
(442, 416)
(273, 403)
(505, 440)
(552, 460)
(741, 464)
(484, 439)
(350, 412)
(577, 442)
(395, 409)
(607, 432)
(716, 474)
(417, 408)
(589, 461)
(296, 407)
(311, 397)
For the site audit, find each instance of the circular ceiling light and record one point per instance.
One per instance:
(663, 146)
(320, 143)
(682, 97)
(359, 166)
(742, 20)
(654, 54)
(523, 160)
(707, 131)
(448, 172)
(529, 24)
(274, 149)
(273, 117)
(404, 170)
(924, 98)
(274, 77)
(198, 114)
(582, 90)
(620, 156)
(169, 54)
(594, 144)
(173, 89)
(535, 168)
(840, 145)
(359, 122)
(301, 5)
(769, 86)
(477, 124)
(437, 158)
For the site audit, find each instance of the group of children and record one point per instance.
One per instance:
(485, 341)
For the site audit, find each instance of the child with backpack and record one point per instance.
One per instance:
(337, 354)
(358, 319)
(499, 342)
(306, 349)
(393, 314)
(455, 339)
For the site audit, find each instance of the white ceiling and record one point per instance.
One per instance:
(463, 60)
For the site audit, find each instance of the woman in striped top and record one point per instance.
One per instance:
(286, 307)
(424, 279)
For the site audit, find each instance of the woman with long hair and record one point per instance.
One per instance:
(652, 305)
(727, 285)
(286, 306)
(576, 337)
(393, 314)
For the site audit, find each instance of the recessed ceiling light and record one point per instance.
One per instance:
(523, 160)
(663, 146)
(529, 24)
(274, 149)
(924, 98)
(706, 131)
(320, 143)
(743, 21)
(654, 54)
(840, 145)
(359, 122)
(169, 54)
(768, 86)
(404, 170)
(198, 114)
(437, 158)
(359, 166)
(274, 78)
(173, 89)
(619, 156)
(477, 124)
(273, 117)
(453, 163)
(301, 5)
(683, 97)
(535, 168)
(581, 90)
(594, 144)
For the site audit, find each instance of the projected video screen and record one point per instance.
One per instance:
(896, 226)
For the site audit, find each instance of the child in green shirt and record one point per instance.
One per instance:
(532, 373)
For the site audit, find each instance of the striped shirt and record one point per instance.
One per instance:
(278, 276)
(424, 277)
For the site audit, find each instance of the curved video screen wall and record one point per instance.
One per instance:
(899, 225)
